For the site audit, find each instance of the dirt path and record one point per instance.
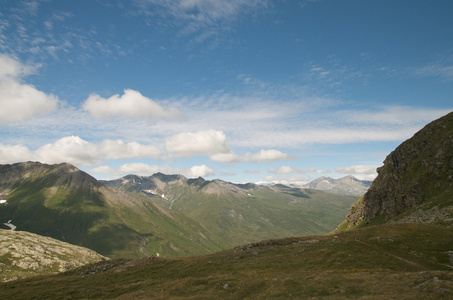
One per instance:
(409, 262)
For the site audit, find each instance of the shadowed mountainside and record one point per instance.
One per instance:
(415, 184)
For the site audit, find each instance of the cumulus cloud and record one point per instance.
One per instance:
(131, 104)
(200, 171)
(20, 101)
(71, 149)
(74, 150)
(266, 156)
(188, 144)
(362, 172)
(117, 149)
(14, 153)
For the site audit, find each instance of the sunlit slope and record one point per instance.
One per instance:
(242, 213)
(65, 203)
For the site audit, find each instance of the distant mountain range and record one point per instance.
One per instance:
(240, 213)
(348, 185)
(396, 242)
(167, 215)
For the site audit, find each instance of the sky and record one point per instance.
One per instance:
(264, 91)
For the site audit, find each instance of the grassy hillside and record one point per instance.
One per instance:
(400, 261)
(240, 214)
(65, 203)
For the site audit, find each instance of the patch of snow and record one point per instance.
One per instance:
(12, 226)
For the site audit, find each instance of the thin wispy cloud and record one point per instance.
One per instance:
(255, 90)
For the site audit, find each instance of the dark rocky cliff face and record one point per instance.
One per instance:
(416, 177)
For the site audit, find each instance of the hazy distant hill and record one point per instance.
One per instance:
(415, 184)
(241, 213)
(348, 185)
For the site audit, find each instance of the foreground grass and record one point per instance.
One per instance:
(405, 261)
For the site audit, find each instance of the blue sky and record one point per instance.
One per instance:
(241, 90)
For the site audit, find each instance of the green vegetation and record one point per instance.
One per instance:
(404, 261)
(239, 214)
(71, 206)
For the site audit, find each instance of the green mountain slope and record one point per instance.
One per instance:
(415, 184)
(65, 203)
(242, 213)
(398, 261)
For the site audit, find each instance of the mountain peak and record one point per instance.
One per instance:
(415, 183)
(348, 185)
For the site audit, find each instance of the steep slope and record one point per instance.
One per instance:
(241, 213)
(65, 203)
(24, 254)
(348, 185)
(396, 261)
(415, 184)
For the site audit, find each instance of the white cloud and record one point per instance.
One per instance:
(266, 156)
(71, 149)
(143, 169)
(201, 171)
(117, 149)
(188, 144)
(225, 157)
(139, 169)
(14, 153)
(358, 170)
(283, 170)
(19, 101)
(131, 104)
(392, 115)
(74, 150)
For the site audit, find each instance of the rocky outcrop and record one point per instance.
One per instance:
(416, 177)
(24, 254)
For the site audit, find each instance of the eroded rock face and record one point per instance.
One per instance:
(417, 174)
(25, 254)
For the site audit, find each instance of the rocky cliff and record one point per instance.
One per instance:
(415, 184)
(24, 254)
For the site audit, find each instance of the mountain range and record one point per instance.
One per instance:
(396, 242)
(167, 215)
(348, 185)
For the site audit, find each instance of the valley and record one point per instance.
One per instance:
(396, 242)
